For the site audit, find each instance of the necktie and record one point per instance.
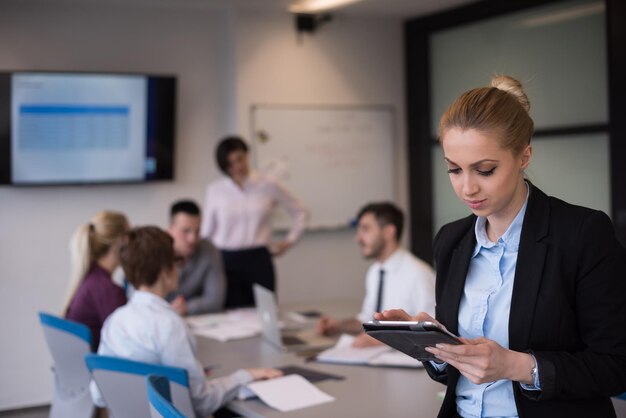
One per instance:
(381, 283)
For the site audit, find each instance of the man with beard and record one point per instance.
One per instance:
(397, 279)
(201, 276)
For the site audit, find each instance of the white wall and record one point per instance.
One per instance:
(224, 63)
(348, 61)
(35, 223)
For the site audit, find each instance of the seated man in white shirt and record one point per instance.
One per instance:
(147, 328)
(201, 281)
(397, 278)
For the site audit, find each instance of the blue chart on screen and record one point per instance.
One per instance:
(73, 127)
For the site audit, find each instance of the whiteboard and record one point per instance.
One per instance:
(333, 158)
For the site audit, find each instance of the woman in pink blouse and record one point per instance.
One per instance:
(237, 218)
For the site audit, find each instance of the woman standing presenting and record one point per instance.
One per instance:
(237, 214)
(533, 285)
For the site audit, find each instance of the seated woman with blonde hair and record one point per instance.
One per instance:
(92, 295)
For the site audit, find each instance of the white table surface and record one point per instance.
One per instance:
(365, 392)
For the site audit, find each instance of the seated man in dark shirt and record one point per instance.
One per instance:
(201, 276)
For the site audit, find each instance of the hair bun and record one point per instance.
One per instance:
(512, 86)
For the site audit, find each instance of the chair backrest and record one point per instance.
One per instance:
(68, 343)
(123, 387)
(161, 406)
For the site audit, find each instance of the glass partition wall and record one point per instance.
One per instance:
(558, 53)
(558, 50)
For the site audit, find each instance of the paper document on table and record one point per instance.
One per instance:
(207, 320)
(236, 324)
(286, 393)
(225, 333)
(394, 358)
(381, 355)
(343, 352)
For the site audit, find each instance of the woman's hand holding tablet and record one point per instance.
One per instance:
(409, 334)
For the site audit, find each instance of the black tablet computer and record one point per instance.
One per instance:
(410, 337)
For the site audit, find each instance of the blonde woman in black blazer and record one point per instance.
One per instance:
(565, 348)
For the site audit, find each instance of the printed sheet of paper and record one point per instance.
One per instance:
(380, 355)
(289, 393)
(236, 324)
(394, 358)
(344, 353)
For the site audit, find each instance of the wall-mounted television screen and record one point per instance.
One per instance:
(86, 128)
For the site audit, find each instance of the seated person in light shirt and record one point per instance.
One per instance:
(201, 281)
(397, 277)
(147, 329)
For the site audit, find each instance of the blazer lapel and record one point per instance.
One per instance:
(529, 269)
(459, 264)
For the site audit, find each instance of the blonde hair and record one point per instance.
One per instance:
(501, 109)
(90, 242)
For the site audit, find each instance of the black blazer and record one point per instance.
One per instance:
(568, 307)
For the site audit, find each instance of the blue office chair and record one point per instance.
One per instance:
(161, 406)
(123, 387)
(68, 342)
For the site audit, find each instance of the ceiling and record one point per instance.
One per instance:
(383, 8)
(401, 8)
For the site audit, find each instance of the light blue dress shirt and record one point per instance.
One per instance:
(484, 312)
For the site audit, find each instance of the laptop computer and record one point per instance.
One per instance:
(303, 339)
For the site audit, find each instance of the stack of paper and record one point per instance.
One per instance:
(379, 355)
(286, 393)
(240, 323)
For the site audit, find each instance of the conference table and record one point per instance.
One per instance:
(365, 391)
